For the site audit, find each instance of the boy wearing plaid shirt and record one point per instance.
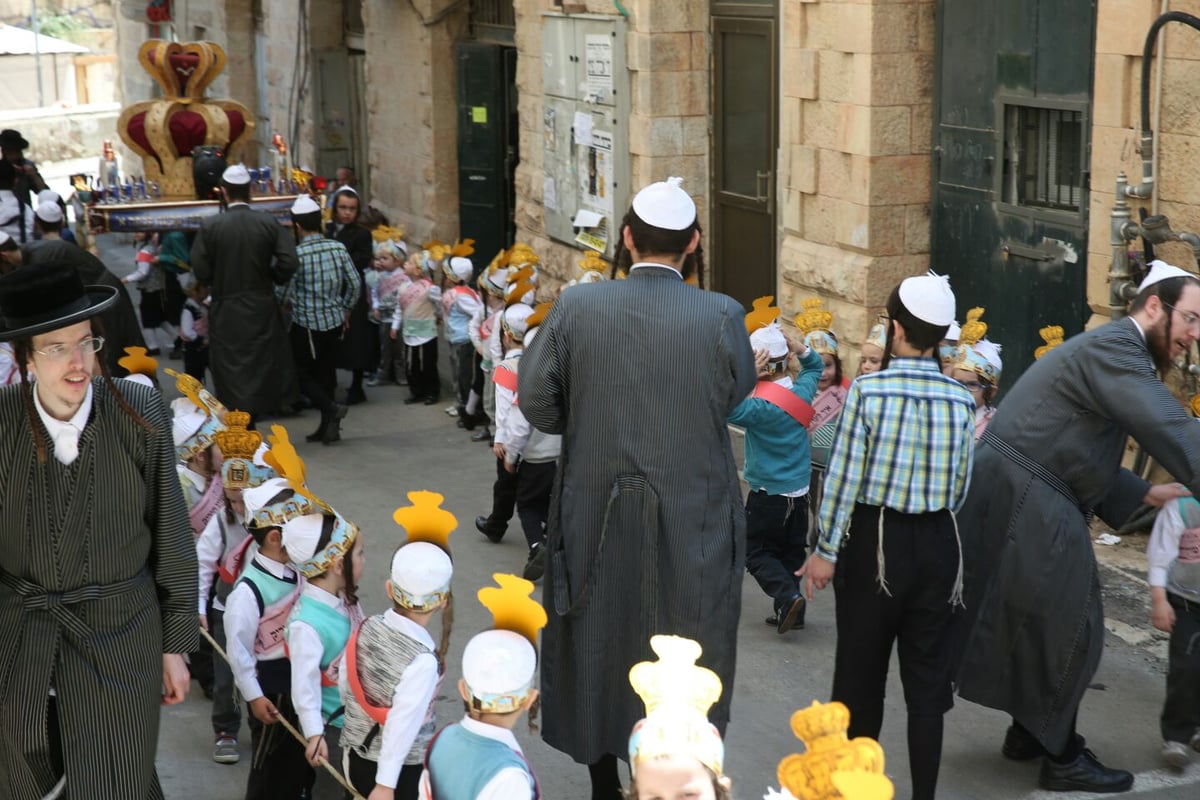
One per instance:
(898, 470)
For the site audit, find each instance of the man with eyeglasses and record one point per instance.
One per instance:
(1049, 460)
(97, 564)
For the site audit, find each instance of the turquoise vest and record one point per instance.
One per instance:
(461, 763)
(334, 630)
(268, 589)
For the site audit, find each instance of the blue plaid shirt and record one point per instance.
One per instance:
(905, 441)
(325, 285)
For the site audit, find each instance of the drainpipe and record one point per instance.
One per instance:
(1121, 288)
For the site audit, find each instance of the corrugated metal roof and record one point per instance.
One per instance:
(16, 41)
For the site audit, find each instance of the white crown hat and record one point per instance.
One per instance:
(665, 205)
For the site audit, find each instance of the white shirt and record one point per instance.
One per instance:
(410, 701)
(305, 650)
(642, 264)
(10, 217)
(512, 429)
(194, 484)
(1164, 543)
(218, 538)
(65, 435)
(241, 629)
(509, 783)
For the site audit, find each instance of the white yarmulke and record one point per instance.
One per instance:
(49, 211)
(991, 353)
(1161, 271)
(186, 423)
(421, 569)
(771, 339)
(257, 497)
(953, 332)
(929, 298)
(461, 268)
(498, 662)
(136, 377)
(301, 536)
(48, 196)
(305, 205)
(236, 175)
(665, 205)
(529, 334)
(515, 319)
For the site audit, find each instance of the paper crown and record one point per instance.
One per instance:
(424, 582)
(493, 279)
(424, 520)
(1052, 335)
(771, 339)
(538, 316)
(974, 328)
(677, 694)
(239, 447)
(763, 313)
(878, 333)
(592, 267)
(136, 362)
(203, 401)
(452, 264)
(500, 665)
(522, 286)
(982, 358)
(164, 131)
(302, 540)
(515, 320)
(273, 503)
(521, 254)
(815, 323)
(828, 753)
(388, 233)
(283, 458)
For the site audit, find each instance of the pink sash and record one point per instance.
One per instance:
(413, 292)
(330, 675)
(212, 501)
(503, 376)
(233, 564)
(828, 405)
(273, 623)
(794, 406)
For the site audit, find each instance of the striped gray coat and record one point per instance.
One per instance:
(113, 520)
(647, 530)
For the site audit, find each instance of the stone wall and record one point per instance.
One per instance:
(1116, 126)
(854, 155)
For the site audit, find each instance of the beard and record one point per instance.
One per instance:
(1158, 341)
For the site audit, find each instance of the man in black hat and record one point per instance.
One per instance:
(28, 180)
(97, 565)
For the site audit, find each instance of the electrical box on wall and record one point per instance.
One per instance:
(585, 127)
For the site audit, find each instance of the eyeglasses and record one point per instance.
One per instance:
(1189, 319)
(61, 352)
(972, 386)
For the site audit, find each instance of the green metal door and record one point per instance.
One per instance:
(1011, 140)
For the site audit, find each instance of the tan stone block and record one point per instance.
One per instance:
(1114, 150)
(1111, 101)
(701, 51)
(845, 77)
(926, 27)
(834, 170)
(844, 27)
(819, 217)
(884, 273)
(657, 16)
(1180, 111)
(790, 129)
(902, 78)
(1178, 166)
(819, 123)
(894, 28)
(670, 51)
(916, 230)
(790, 214)
(800, 72)
(898, 180)
(656, 136)
(817, 269)
(921, 127)
(873, 230)
(1121, 25)
(792, 21)
(802, 169)
(696, 135)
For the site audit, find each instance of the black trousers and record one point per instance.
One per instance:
(422, 371)
(362, 777)
(278, 769)
(464, 371)
(535, 481)
(226, 712)
(921, 557)
(776, 534)
(1181, 710)
(391, 352)
(195, 359)
(504, 497)
(315, 354)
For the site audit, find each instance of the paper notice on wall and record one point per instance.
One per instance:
(549, 194)
(583, 128)
(599, 56)
(548, 128)
(596, 172)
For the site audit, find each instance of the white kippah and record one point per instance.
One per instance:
(498, 662)
(186, 423)
(1161, 271)
(48, 196)
(991, 353)
(515, 320)
(49, 211)
(305, 205)
(665, 205)
(771, 339)
(257, 497)
(929, 298)
(461, 267)
(953, 332)
(301, 536)
(236, 175)
(421, 569)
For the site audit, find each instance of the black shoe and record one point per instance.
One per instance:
(175, 354)
(153, 351)
(772, 620)
(1084, 774)
(789, 612)
(1019, 745)
(355, 396)
(408, 401)
(332, 434)
(535, 565)
(466, 421)
(429, 401)
(494, 534)
(318, 434)
(484, 435)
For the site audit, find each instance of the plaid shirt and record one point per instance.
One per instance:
(326, 285)
(905, 441)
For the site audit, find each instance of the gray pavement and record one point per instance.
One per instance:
(389, 449)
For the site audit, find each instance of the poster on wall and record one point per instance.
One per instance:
(599, 60)
(596, 172)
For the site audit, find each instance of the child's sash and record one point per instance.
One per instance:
(212, 501)
(273, 622)
(232, 565)
(789, 402)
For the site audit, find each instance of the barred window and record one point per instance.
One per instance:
(1043, 157)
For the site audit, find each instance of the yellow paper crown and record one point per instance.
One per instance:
(463, 248)
(675, 679)
(859, 785)
(436, 250)
(425, 520)
(513, 607)
(136, 362)
(974, 328)
(1052, 335)
(539, 315)
(236, 441)
(592, 262)
(194, 390)
(283, 458)
(388, 233)
(763, 313)
(828, 751)
(813, 317)
(521, 254)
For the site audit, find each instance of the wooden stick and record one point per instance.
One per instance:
(337, 776)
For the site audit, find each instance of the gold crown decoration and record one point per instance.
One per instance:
(195, 391)
(828, 751)
(675, 679)
(520, 283)
(463, 248)
(236, 441)
(425, 520)
(1052, 335)
(860, 785)
(164, 131)
(763, 313)
(974, 328)
(593, 262)
(513, 607)
(136, 362)
(1194, 405)
(283, 458)
(539, 315)
(388, 233)
(521, 254)
(813, 317)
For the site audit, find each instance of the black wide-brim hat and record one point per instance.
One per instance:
(13, 140)
(42, 298)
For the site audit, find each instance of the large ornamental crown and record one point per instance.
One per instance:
(165, 130)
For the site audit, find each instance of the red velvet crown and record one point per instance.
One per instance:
(164, 131)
